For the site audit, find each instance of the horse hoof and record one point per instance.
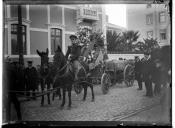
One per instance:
(83, 100)
(42, 105)
(92, 100)
(61, 107)
(68, 107)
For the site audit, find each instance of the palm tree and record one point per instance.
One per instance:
(150, 44)
(112, 40)
(147, 46)
(128, 39)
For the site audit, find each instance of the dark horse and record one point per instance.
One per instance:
(64, 77)
(45, 74)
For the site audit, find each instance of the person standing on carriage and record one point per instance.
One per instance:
(138, 74)
(31, 77)
(147, 74)
(73, 53)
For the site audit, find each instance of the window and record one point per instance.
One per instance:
(150, 34)
(162, 17)
(14, 43)
(56, 39)
(163, 34)
(149, 19)
(148, 6)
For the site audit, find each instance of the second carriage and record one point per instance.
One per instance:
(117, 71)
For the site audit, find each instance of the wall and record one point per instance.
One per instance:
(55, 14)
(124, 56)
(70, 19)
(5, 40)
(38, 16)
(14, 11)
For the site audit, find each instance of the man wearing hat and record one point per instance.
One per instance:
(31, 78)
(147, 70)
(138, 74)
(73, 53)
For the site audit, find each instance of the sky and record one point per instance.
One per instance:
(116, 14)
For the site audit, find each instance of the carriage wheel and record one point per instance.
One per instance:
(78, 88)
(128, 75)
(105, 82)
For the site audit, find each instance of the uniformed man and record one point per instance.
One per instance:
(31, 78)
(146, 70)
(138, 74)
(73, 53)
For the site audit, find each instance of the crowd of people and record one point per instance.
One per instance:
(149, 73)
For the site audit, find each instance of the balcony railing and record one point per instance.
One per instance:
(87, 13)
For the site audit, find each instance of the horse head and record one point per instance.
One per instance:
(59, 59)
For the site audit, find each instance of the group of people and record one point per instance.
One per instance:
(19, 81)
(147, 72)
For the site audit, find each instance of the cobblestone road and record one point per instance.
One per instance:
(152, 116)
(118, 101)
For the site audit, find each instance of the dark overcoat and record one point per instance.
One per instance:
(146, 70)
(31, 77)
(74, 51)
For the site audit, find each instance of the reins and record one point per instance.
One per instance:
(59, 70)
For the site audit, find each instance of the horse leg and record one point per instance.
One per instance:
(91, 86)
(59, 93)
(53, 96)
(42, 98)
(85, 92)
(63, 101)
(48, 94)
(69, 95)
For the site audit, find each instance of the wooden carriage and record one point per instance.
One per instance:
(117, 71)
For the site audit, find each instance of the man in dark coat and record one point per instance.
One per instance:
(146, 70)
(138, 74)
(10, 82)
(73, 53)
(31, 79)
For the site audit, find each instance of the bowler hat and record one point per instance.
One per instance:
(73, 36)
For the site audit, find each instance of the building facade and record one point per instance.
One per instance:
(151, 20)
(116, 28)
(47, 26)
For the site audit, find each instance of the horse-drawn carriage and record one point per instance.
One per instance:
(109, 72)
(106, 71)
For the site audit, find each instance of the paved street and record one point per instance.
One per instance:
(152, 116)
(120, 100)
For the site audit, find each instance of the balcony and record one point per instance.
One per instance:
(85, 13)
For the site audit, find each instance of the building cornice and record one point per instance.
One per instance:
(15, 19)
(55, 24)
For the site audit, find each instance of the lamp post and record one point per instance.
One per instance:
(19, 36)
